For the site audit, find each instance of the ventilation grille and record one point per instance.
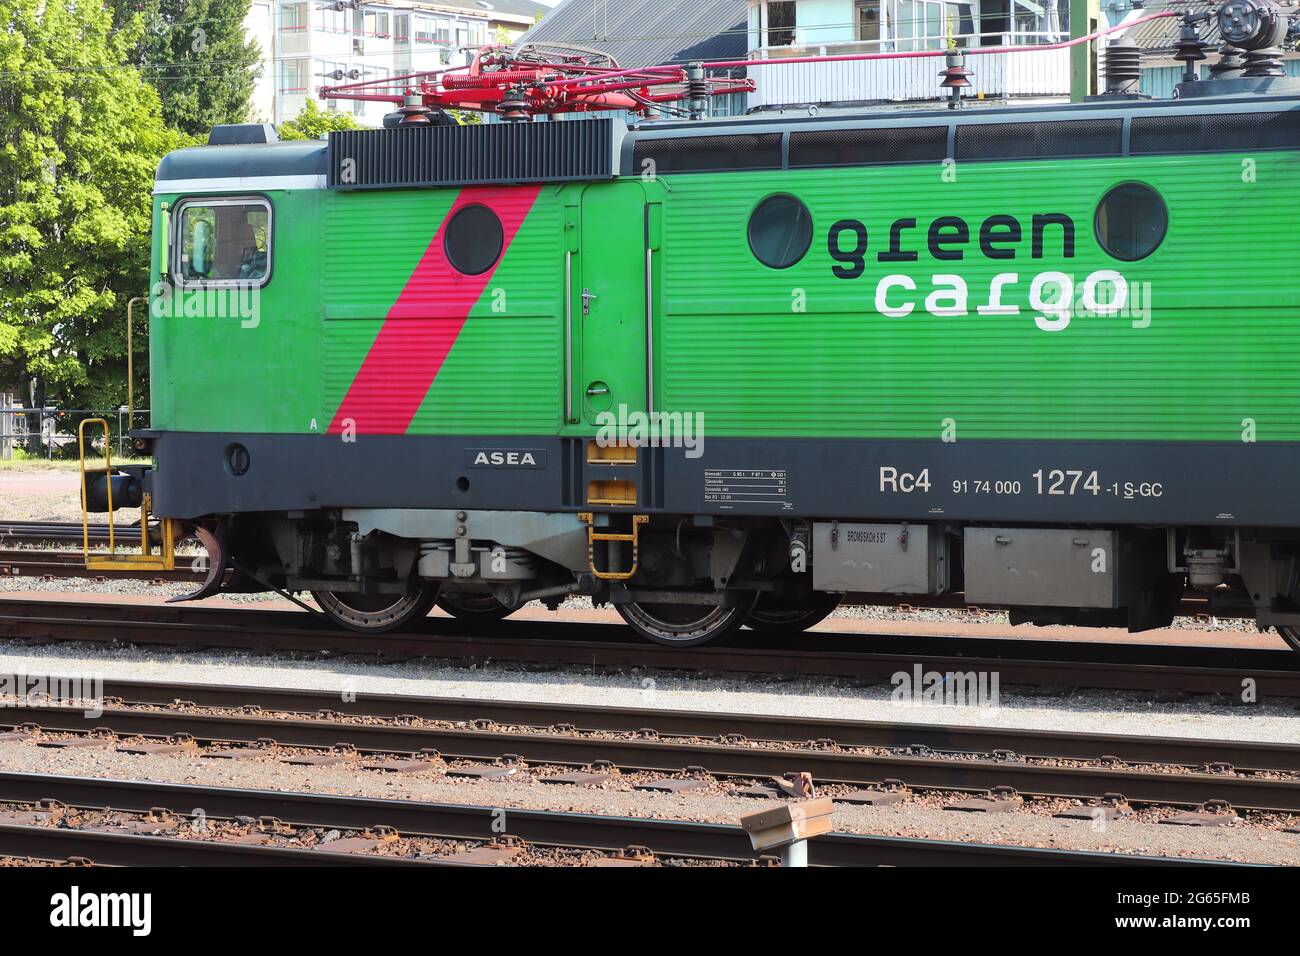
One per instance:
(869, 147)
(472, 155)
(1062, 138)
(703, 154)
(1215, 132)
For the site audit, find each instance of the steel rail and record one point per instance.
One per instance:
(542, 827)
(954, 738)
(128, 849)
(1016, 662)
(15, 562)
(958, 772)
(36, 531)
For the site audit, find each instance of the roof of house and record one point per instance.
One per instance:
(511, 9)
(1161, 36)
(648, 32)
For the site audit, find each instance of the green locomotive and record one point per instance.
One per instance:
(741, 370)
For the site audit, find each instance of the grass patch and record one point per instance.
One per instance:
(41, 464)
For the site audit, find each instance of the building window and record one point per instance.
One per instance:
(294, 76)
(293, 16)
(780, 231)
(780, 22)
(330, 19)
(371, 23)
(402, 28)
(474, 240)
(926, 24)
(222, 242)
(868, 21)
(1131, 221)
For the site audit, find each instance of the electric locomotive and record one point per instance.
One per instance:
(741, 370)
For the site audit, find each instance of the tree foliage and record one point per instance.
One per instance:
(314, 122)
(80, 138)
(197, 56)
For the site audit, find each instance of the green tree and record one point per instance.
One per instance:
(314, 122)
(80, 138)
(197, 56)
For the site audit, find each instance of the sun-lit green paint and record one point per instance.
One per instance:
(793, 352)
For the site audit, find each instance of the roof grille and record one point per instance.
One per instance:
(701, 154)
(1215, 132)
(473, 155)
(1063, 138)
(869, 147)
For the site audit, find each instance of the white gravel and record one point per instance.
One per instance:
(1083, 712)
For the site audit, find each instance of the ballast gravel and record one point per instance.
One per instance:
(1090, 711)
(525, 791)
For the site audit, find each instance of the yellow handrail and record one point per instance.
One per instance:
(165, 560)
(108, 477)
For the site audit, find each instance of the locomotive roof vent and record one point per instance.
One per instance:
(242, 134)
(427, 154)
(1250, 61)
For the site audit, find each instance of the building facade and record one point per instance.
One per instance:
(783, 29)
(307, 44)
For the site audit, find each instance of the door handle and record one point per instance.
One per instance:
(594, 390)
(587, 296)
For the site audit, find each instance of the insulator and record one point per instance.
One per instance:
(1123, 68)
(514, 106)
(956, 77)
(697, 91)
(413, 111)
(1231, 63)
(1264, 63)
(1190, 49)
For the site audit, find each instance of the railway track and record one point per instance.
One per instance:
(16, 562)
(624, 838)
(38, 532)
(1052, 664)
(1142, 770)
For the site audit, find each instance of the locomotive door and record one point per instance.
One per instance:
(608, 300)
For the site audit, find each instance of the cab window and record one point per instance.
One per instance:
(222, 242)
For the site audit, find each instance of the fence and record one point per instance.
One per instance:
(52, 428)
(1036, 73)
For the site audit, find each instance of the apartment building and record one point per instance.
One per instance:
(307, 44)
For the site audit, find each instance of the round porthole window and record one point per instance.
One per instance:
(780, 231)
(1131, 221)
(473, 240)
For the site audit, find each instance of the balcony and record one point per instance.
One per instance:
(1036, 73)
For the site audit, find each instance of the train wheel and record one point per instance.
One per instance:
(774, 614)
(376, 613)
(685, 625)
(468, 606)
(1291, 635)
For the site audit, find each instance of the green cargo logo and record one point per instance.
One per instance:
(1054, 297)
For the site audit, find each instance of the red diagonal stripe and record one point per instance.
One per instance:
(423, 324)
